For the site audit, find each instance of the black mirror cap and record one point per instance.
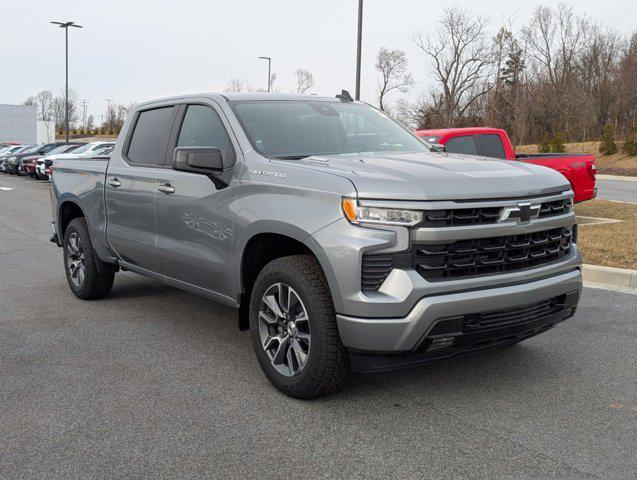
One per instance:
(205, 160)
(437, 147)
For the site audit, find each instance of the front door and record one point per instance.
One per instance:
(194, 216)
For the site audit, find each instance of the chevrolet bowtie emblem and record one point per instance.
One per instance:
(524, 212)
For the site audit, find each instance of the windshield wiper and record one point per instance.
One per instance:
(292, 157)
(305, 155)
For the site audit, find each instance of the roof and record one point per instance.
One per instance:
(439, 132)
(241, 96)
(275, 96)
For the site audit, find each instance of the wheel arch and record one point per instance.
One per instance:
(69, 209)
(263, 246)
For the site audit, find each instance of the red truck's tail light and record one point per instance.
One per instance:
(592, 169)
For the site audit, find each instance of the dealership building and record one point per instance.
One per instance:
(19, 124)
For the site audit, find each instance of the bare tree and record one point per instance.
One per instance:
(392, 66)
(44, 103)
(461, 60)
(273, 87)
(304, 80)
(237, 85)
(555, 38)
(58, 111)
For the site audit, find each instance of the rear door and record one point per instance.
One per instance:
(131, 184)
(194, 216)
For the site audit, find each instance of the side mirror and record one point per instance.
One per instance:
(437, 147)
(205, 160)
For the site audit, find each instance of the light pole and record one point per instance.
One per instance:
(65, 26)
(269, 67)
(357, 94)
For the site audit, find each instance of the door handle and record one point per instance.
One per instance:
(114, 183)
(166, 188)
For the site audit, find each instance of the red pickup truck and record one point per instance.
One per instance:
(579, 169)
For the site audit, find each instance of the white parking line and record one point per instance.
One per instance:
(6, 189)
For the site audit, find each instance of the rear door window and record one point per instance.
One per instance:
(148, 143)
(491, 145)
(465, 144)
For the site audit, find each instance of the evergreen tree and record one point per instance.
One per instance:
(557, 144)
(544, 146)
(630, 144)
(608, 145)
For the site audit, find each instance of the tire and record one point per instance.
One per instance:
(326, 363)
(85, 281)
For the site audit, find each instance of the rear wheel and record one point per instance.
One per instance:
(293, 328)
(81, 265)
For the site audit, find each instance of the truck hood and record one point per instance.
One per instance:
(439, 176)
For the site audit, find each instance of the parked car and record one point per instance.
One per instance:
(343, 242)
(86, 151)
(579, 169)
(7, 152)
(12, 163)
(34, 165)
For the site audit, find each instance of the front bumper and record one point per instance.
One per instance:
(406, 334)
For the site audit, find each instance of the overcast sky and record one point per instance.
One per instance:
(136, 50)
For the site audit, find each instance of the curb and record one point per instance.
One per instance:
(609, 276)
(624, 178)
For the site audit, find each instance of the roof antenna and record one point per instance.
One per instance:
(345, 96)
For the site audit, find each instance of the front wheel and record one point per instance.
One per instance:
(81, 266)
(293, 328)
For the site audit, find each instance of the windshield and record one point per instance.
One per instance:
(61, 149)
(84, 148)
(297, 129)
(30, 149)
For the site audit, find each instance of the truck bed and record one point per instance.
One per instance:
(579, 168)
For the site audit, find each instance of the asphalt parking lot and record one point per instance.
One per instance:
(153, 382)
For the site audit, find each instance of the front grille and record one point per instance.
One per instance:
(458, 217)
(470, 258)
(556, 207)
(484, 256)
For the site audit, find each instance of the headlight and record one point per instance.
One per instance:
(382, 216)
(12, 159)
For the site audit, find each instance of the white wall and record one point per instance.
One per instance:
(18, 123)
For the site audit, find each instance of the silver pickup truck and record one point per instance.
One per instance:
(345, 242)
